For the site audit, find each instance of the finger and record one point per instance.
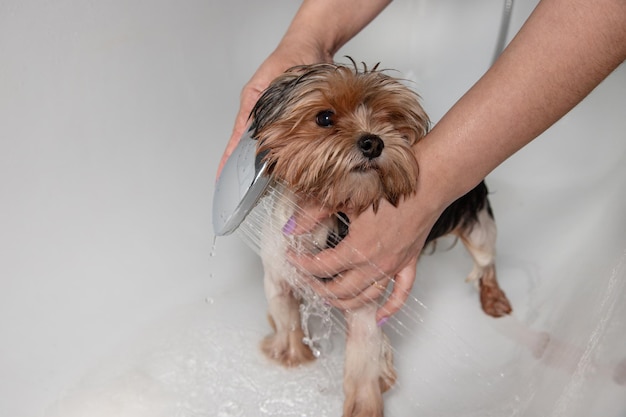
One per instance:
(249, 96)
(306, 218)
(356, 283)
(319, 287)
(402, 286)
(238, 130)
(342, 294)
(329, 262)
(371, 294)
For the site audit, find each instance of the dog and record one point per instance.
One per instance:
(343, 136)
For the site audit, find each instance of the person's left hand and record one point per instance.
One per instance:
(380, 248)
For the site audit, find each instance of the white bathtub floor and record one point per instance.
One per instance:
(115, 299)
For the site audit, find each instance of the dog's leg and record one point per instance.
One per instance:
(480, 241)
(285, 344)
(369, 364)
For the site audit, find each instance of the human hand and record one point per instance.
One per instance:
(381, 248)
(283, 58)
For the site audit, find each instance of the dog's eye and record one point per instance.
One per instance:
(325, 118)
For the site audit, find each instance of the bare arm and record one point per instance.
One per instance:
(318, 30)
(329, 24)
(564, 50)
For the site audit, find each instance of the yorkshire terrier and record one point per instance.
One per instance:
(343, 137)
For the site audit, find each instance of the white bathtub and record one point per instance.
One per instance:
(114, 300)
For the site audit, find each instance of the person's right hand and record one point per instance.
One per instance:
(278, 62)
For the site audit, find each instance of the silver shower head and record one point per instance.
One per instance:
(241, 184)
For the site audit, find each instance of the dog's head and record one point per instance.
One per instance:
(340, 135)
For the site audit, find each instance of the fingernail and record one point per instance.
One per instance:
(290, 226)
(382, 321)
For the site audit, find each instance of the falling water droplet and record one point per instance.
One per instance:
(212, 253)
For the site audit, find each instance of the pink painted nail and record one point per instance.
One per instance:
(382, 321)
(290, 226)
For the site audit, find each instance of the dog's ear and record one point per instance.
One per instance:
(285, 91)
(412, 120)
(420, 122)
(274, 100)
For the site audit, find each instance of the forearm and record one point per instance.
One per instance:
(564, 50)
(326, 25)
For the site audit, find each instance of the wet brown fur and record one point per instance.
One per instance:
(325, 163)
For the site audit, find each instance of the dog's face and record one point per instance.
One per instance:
(340, 135)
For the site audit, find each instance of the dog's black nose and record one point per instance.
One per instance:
(371, 146)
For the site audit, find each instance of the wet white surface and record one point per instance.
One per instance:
(115, 301)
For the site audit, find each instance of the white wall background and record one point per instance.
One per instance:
(113, 116)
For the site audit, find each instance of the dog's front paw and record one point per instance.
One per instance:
(363, 399)
(287, 349)
(493, 300)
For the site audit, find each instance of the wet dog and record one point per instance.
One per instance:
(343, 137)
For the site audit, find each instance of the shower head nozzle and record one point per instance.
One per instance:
(241, 184)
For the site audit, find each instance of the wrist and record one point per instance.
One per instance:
(441, 181)
(322, 27)
(303, 49)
